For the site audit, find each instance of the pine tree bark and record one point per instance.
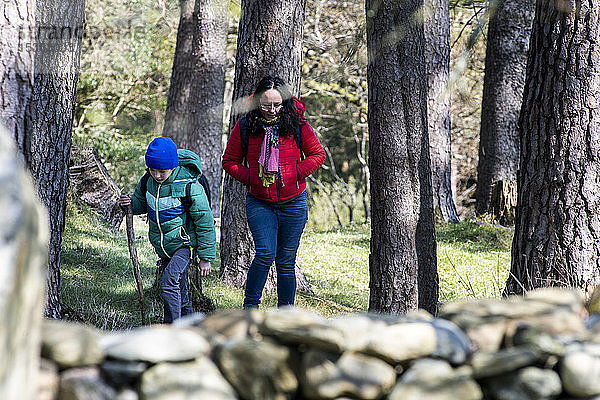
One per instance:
(507, 48)
(23, 224)
(269, 42)
(556, 230)
(17, 52)
(437, 65)
(402, 262)
(194, 115)
(49, 120)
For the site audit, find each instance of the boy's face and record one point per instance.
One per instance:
(160, 175)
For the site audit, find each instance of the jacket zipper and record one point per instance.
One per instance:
(297, 176)
(277, 186)
(162, 246)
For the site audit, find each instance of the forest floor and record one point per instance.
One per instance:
(99, 288)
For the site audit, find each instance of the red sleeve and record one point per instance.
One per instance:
(313, 151)
(233, 157)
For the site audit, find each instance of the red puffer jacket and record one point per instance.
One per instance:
(294, 170)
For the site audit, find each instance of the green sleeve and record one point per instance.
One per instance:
(204, 224)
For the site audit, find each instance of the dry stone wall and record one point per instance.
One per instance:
(541, 346)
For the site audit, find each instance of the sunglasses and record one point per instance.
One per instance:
(271, 106)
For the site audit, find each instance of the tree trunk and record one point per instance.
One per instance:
(48, 125)
(23, 247)
(194, 115)
(505, 62)
(556, 230)
(92, 183)
(437, 65)
(402, 262)
(503, 203)
(269, 42)
(17, 52)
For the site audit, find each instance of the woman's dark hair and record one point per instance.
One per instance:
(290, 116)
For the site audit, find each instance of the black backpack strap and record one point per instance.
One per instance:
(144, 183)
(186, 201)
(298, 137)
(244, 136)
(206, 186)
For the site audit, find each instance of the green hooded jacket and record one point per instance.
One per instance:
(171, 226)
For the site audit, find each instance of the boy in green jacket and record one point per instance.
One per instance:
(179, 219)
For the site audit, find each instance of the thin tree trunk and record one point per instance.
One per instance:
(402, 262)
(48, 125)
(437, 65)
(269, 42)
(556, 230)
(505, 63)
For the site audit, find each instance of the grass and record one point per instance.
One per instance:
(98, 284)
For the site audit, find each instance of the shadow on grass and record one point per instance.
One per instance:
(474, 236)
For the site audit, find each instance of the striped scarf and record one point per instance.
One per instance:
(269, 166)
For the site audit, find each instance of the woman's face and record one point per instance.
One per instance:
(270, 104)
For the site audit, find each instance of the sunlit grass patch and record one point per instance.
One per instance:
(336, 263)
(473, 260)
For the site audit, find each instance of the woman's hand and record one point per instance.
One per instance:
(204, 267)
(124, 200)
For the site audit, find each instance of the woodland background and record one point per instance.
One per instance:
(387, 85)
(126, 62)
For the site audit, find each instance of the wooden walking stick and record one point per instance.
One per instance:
(134, 260)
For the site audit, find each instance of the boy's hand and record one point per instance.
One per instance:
(124, 200)
(204, 267)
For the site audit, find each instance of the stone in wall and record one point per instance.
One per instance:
(23, 249)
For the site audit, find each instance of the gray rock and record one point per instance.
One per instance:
(356, 329)
(70, 345)
(84, 384)
(199, 379)
(402, 342)
(127, 394)
(529, 383)
(297, 326)
(487, 364)
(156, 344)
(580, 370)
(452, 344)
(532, 336)
(48, 380)
(570, 299)
(121, 373)
(23, 248)
(485, 321)
(258, 370)
(328, 376)
(435, 380)
(189, 321)
(231, 324)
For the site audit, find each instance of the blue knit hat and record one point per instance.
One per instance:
(162, 154)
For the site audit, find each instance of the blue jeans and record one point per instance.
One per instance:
(173, 286)
(276, 230)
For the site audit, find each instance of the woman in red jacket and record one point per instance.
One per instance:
(275, 177)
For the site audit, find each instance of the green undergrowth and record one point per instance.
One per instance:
(98, 285)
